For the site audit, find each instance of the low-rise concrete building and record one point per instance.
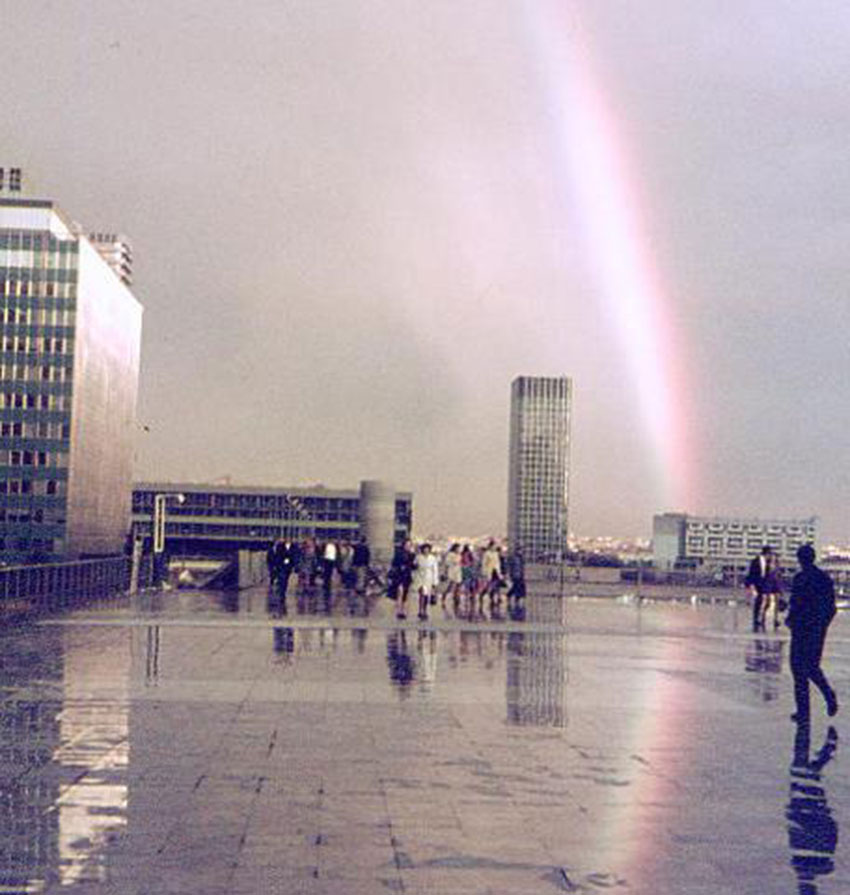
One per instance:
(725, 542)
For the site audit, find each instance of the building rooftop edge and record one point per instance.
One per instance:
(733, 518)
(176, 487)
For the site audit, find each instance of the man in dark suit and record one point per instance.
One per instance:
(756, 581)
(809, 615)
(288, 555)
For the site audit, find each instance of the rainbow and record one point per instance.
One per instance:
(611, 218)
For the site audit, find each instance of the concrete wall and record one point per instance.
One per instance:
(377, 518)
(252, 568)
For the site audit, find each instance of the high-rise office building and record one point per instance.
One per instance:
(71, 334)
(539, 470)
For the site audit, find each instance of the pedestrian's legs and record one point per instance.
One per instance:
(818, 678)
(423, 603)
(801, 694)
(757, 600)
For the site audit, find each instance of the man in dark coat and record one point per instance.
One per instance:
(289, 560)
(809, 615)
(360, 565)
(756, 581)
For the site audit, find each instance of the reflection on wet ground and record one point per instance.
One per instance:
(198, 742)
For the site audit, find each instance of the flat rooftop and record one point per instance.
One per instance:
(194, 742)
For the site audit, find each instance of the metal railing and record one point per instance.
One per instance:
(53, 587)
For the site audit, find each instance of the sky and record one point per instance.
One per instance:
(355, 222)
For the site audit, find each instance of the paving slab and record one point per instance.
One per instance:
(192, 743)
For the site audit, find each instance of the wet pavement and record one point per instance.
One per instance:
(200, 743)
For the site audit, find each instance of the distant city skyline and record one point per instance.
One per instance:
(354, 224)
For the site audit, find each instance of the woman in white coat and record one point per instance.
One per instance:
(426, 577)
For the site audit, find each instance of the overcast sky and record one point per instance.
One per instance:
(354, 223)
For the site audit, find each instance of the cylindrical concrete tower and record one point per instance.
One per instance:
(377, 518)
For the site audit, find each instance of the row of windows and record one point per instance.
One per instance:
(34, 372)
(35, 344)
(36, 487)
(27, 429)
(38, 316)
(247, 501)
(283, 514)
(52, 459)
(264, 532)
(37, 287)
(36, 545)
(19, 276)
(36, 517)
(31, 400)
(39, 252)
(38, 240)
(750, 528)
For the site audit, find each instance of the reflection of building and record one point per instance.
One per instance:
(93, 754)
(71, 332)
(539, 466)
(214, 518)
(536, 685)
(683, 541)
(29, 734)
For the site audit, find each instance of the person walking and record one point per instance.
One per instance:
(288, 559)
(272, 565)
(756, 580)
(469, 575)
(360, 565)
(454, 576)
(811, 610)
(329, 557)
(491, 572)
(516, 572)
(426, 577)
(345, 565)
(772, 590)
(401, 573)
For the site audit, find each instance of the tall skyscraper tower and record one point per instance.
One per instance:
(539, 471)
(69, 368)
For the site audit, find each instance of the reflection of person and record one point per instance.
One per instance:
(809, 615)
(764, 658)
(812, 830)
(756, 581)
(400, 664)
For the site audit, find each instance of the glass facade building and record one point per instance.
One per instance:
(71, 334)
(539, 466)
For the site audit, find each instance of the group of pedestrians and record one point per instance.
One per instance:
(764, 580)
(312, 560)
(465, 576)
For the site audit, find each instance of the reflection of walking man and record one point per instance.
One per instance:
(812, 609)
(756, 581)
(812, 830)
